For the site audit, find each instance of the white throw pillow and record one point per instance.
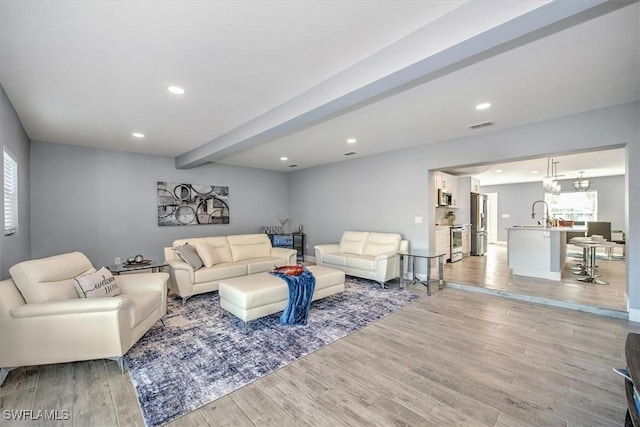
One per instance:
(208, 254)
(98, 284)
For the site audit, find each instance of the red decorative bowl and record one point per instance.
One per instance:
(290, 270)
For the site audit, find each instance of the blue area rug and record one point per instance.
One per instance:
(197, 356)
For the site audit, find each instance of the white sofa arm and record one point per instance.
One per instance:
(132, 283)
(75, 306)
(182, 277)
(326, 249)
(322, 250)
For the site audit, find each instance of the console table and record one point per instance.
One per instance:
(289, 241)
(412, 255)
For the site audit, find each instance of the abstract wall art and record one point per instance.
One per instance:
(192, 204)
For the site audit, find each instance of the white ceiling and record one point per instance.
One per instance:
(266, 79)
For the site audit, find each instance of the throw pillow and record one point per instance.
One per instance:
(207, 254)
(98, 284)
(189, 255)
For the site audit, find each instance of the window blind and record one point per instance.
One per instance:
(10, 194)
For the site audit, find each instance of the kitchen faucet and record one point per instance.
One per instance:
(546, 216)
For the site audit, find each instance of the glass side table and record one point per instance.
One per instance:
(155, 266)
(412, 255)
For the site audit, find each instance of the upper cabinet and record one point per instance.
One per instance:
(475, 185)
(447, 183)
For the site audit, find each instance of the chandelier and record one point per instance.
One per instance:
(581, 183)
(550, 181)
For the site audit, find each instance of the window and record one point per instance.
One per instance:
(10, 194)
(576, 206)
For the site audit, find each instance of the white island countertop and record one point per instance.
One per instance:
(536, 251)
(540, 228)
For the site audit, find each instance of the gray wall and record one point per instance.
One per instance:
(15, 248)
(385, 192)
(516, 200)
(104, 203)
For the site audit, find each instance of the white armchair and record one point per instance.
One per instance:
(43, 322)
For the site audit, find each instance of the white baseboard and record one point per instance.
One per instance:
(634, 315)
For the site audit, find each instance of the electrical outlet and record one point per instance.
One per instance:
(306, 246)
(118, 260)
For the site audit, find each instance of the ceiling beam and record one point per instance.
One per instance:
(346, 91)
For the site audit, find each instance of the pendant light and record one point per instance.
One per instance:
(547, 181)
(557, 188)
(581, 183)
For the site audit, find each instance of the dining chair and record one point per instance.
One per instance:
(600, 228)
(620, 241)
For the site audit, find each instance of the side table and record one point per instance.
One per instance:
(412, 255)
(155, 267)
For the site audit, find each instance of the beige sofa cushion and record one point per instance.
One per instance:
(219, 243)
(353, 242)
(249, 246)
(380, 243)
(220, 271)
(50, 279)
(144, 303)
(360, 262)
(207, 254)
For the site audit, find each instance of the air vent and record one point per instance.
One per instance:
(293, 166)
(350, 153)
(480, 125)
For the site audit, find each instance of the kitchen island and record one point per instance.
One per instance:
(536, 251)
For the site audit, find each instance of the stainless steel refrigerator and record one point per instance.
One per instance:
(478, 224)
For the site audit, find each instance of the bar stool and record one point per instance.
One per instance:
(582, 269)
(592, 248)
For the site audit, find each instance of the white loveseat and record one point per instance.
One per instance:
(224, 257)
(43, 320)
(369, 255)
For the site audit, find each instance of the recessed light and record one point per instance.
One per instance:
(498, 170)
(284, 159)
(483, 106)
(138, 135)
(534, 172)
(176, 90)
(351, 141)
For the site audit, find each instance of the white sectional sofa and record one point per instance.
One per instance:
(369, 255)
(224, 257)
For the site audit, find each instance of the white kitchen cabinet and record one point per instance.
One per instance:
(444, 181)
(443, 241)
(475, 185)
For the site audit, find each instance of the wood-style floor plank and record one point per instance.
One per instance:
(456, 358)
(491, 271)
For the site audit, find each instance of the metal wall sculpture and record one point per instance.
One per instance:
(192, 204)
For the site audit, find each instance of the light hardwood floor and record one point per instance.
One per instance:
(491, 272)
(455, 358)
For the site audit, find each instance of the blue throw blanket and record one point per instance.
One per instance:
(301, 290)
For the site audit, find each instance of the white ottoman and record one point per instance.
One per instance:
(258, 295)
